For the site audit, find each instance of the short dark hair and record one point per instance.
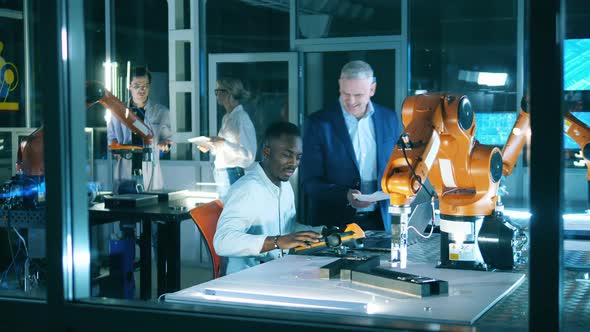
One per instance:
(140, 72)
(277, 129)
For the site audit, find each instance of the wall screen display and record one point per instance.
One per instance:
(576, 64)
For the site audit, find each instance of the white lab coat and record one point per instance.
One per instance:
(157, 117)
(239, 148)
(254, 209)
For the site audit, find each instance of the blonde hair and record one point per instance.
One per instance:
(235, 87)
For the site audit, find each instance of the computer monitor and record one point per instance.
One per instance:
(576, 64)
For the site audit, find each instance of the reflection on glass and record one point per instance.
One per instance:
(323, 71)
(347, 18)
(473, 53)
(268, 84)
(247, 26)
(22, 172)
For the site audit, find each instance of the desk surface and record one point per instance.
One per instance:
(294, 282)
(511, 312)
(176, 210)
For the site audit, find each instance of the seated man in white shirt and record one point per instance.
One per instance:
(258, 219)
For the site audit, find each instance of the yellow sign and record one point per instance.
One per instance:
(8, 82)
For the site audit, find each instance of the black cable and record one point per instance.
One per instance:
(414, 172)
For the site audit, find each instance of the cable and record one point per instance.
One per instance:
(423, 236)
(414, 172)
(23, 240)
(432, 222)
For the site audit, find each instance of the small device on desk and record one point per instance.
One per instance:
(335, 240)
(167, 195)
(129, 201)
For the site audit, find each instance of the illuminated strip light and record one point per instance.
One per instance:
(574, 221)
(64, 44)
(284, 301)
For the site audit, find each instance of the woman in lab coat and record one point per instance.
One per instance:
(234, 147)
(157, 118)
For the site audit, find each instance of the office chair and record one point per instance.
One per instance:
(205, 217)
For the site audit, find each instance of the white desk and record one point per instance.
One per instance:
(293, 282)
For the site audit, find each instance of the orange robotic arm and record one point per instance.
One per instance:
(96, 93)
(30, 154)
(439, 143)
(580, 133)
(416, 150)
(518, 136)
(29, 159)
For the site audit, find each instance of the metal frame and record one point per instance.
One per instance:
(399, 43)
(14, 134)
(400, 82)
(191, 36)
(546, 190)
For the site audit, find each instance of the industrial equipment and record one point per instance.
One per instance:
(335, 240)
(27, 188)
(25, 191)
(439, 143)
(580, 133)
(96, 93)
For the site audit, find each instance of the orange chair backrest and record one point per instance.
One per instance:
(205, 217)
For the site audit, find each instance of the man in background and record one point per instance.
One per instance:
(346, 149)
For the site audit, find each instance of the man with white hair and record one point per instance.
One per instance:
(345, 151)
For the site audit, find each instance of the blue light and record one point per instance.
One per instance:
(576, 64)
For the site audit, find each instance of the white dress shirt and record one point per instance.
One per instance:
(239, 148)
(254, 209)
(362, 136)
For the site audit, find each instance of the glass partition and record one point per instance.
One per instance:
(141, 274)
(460, 46)
(23, 256)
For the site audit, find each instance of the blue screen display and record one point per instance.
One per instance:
(576, 64)
(494, 128)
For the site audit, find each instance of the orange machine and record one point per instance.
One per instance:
(27, 187)
(30, 161)
(580, 133)
(439, 143)
(96, 93)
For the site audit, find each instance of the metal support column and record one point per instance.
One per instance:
(545, 82)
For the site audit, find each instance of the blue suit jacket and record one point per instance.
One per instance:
(329, 167)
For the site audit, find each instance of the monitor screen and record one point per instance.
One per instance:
(576, 64)
(494, 128)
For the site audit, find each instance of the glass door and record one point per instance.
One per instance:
(322, 70)
(271, 79)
